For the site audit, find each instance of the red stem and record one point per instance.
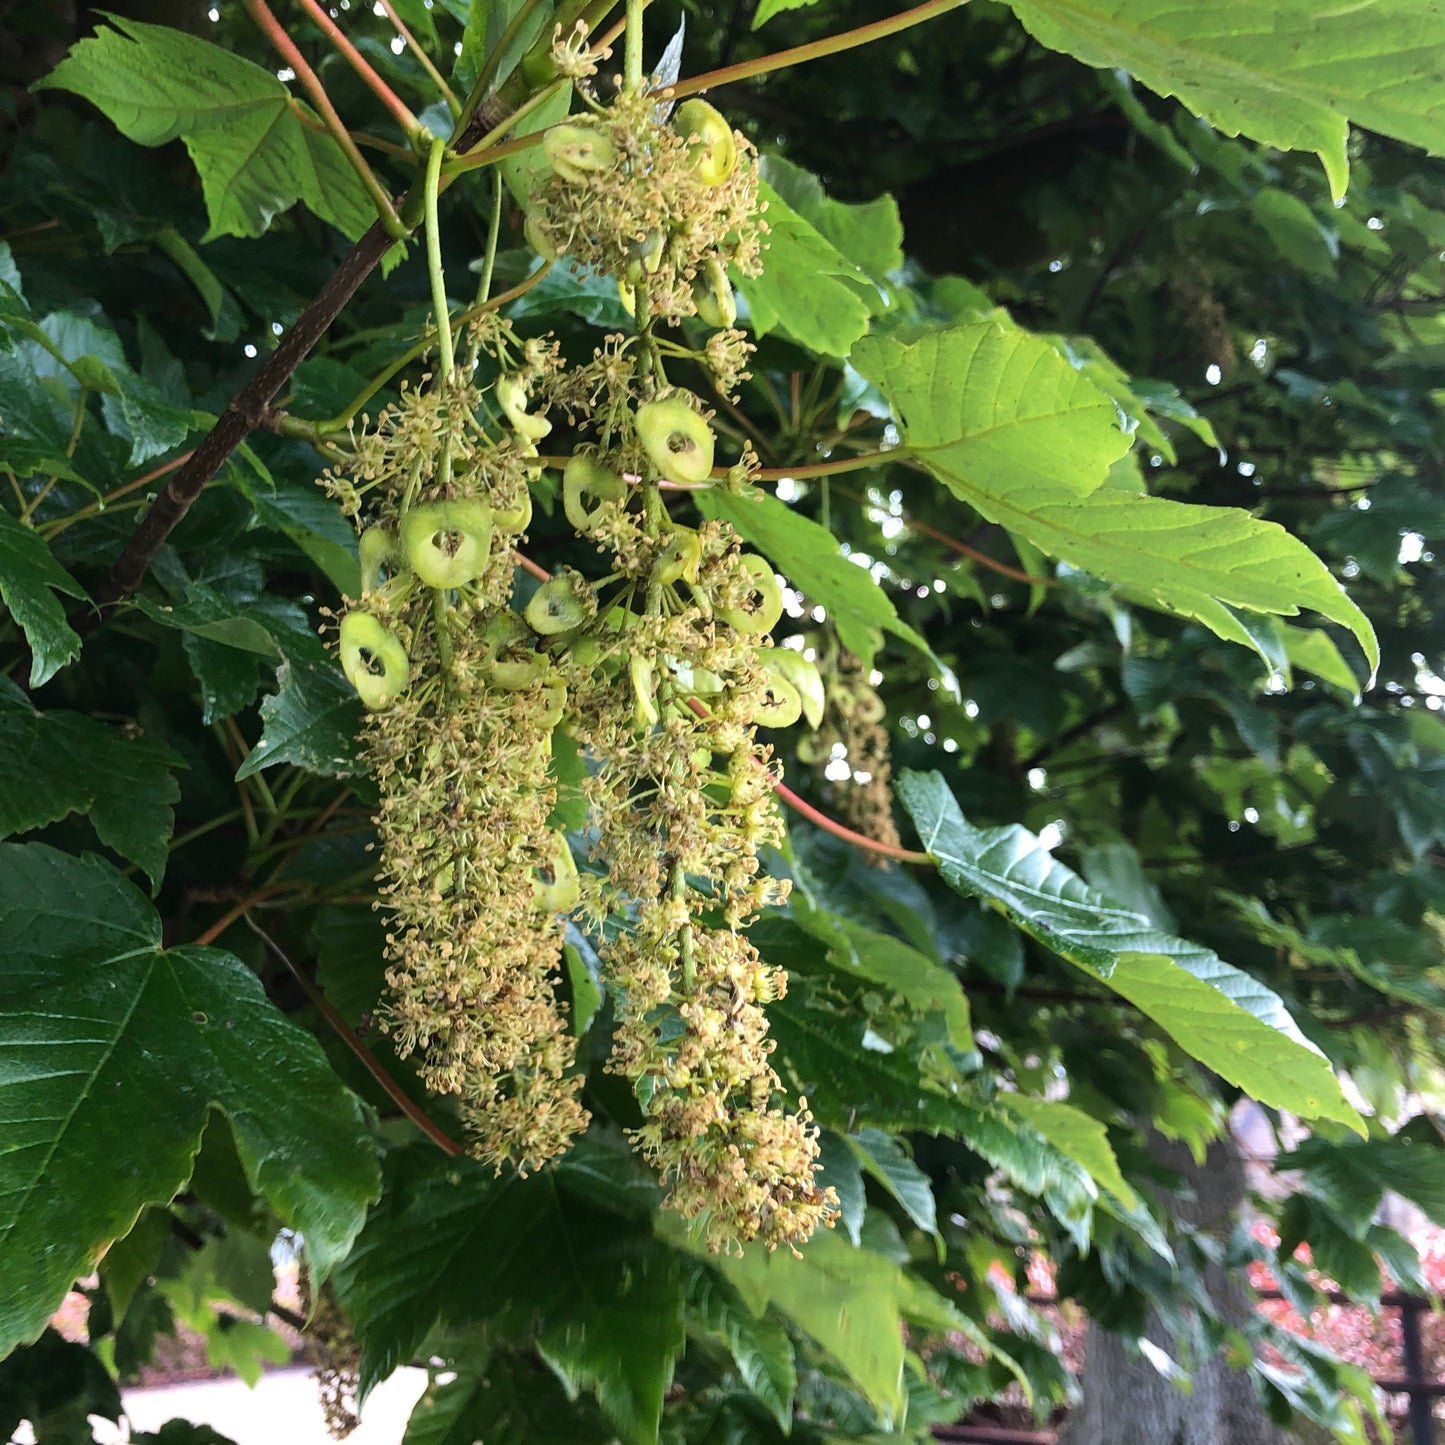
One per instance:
(858, 840)
(365, 1057)
(358, 62)
(277, 34)
(528, 565)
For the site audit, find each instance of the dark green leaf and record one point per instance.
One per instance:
(450, 1240)
(311, 720)
(885, 1160)
(114, 1052)
(58, 763)
(1352, 1177)
(58, 1383)
(758, 1343)
(29, 579)
(506, 1399)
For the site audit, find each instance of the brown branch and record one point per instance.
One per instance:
(249, 408)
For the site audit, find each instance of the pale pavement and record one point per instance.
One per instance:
(281, 1410)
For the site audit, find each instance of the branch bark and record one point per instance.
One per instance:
(249, 408)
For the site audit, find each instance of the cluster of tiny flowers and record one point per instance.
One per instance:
(852, 729)
(474, 882)
(661, 672)
(666, 208)
(334, 1353)
(682, 801)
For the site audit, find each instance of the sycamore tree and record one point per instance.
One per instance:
(677, 684)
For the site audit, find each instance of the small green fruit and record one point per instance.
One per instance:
(577, 152)
(783, 706)
(557, 886)
(644, 257)
(515, 518)
(712, 147)
(712, 295)
(560, 605)
(538, 239)
(644, 691)
(680, 559)
(763, 615)
(678, 442)
(512, 398)
(514, 674)
(373, 659)
(447, 543)
(586, 477)
(803, 674)
(377, 547)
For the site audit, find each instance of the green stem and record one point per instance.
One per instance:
(33, 505)
(489, 65)
(423, 59)
(444, 622)
(181, 839)
(828, 469)
(633, 73)
(287, 796)
(677, 887)
(494, 231)
(815, 50)
(485, 152)
(312, 431)
(489, 261)
(434, 260)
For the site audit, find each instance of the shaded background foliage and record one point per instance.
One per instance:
(1273, 351)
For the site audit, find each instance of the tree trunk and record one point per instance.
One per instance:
(1126, 1401)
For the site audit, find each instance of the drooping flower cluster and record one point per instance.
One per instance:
(666, 208)
(852, 741)
(459, 739)
(661, 671)
(683, 802)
